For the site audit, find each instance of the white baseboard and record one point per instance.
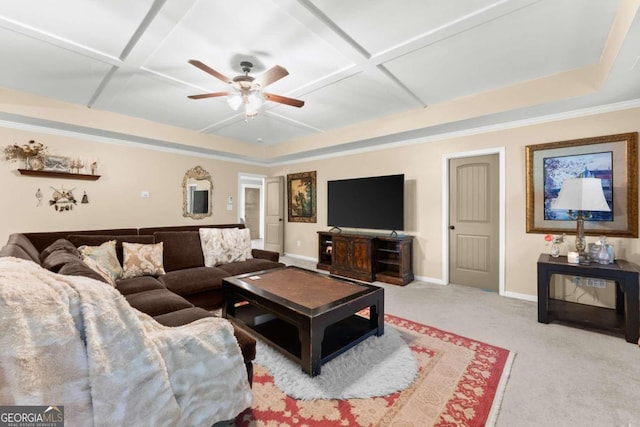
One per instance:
(301, 257)
(430, 280)
(525, 297)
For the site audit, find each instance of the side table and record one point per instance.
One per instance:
(623, 320)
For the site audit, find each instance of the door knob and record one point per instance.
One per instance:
(452, 227)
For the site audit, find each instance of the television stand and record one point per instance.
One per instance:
(366, 257)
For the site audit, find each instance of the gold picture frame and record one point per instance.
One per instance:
(623, 149)
(301, 197)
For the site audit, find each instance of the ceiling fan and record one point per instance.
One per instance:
(247, 90)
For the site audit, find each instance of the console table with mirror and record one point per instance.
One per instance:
(623, 320)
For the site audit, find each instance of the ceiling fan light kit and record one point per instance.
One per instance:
(247, 90)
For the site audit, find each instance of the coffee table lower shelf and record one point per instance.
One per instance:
(338, 337)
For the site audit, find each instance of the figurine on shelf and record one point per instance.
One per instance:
(39, 197)
(94, 168)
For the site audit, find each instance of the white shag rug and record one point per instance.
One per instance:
(378, 366)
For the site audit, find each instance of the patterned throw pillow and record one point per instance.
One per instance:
(142, 260)
(98, 268)
(224, 245)
(105, 255)
(241, 238)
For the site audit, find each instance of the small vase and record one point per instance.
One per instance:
(555, 250)
(603, 256)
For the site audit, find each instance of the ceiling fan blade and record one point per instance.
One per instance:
(208, 95)
(283, 100)
(272, 75)
(210, 70)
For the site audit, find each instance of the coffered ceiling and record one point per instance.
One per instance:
(370, 71)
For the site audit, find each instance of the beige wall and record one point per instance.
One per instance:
(114, 199)
(126, 171)
(422, 166)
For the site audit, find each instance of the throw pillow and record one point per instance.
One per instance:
(105, 255)
(239, 241)
(212, 246)
(98, 268)
(58, 245)
(224, 245)
(142, 260)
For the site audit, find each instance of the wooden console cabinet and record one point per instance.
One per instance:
(366, 257)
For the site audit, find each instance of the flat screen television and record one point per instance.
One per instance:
(375, 203)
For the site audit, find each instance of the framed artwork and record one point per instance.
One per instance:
(301, 197)
(56, 163)
(612, 158)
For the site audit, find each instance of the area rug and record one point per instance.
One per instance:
(378, 366)
(460, 382)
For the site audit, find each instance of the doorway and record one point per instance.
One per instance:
(473, 219)
(251, 206)
(252, 211)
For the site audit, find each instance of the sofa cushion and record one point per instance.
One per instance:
(11, 249)
(157, 301)
(55, 260)
(105, 254)
(181, 249)
(138, 284)
(249, 266)
(26, 245)
(58, 245)
(193, 280)
(98, 239)
(79, 268)
(182, 317)
(142, 260)
(209, 300)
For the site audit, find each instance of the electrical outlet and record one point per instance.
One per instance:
(597, 283)
(577, 280)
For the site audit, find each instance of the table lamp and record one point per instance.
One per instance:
(579, 195)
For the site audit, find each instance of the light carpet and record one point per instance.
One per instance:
(378, 366)
(460, 382)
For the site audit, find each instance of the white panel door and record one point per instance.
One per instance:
(274, 214)
(473, 222)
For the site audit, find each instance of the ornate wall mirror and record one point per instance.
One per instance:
(197, 188)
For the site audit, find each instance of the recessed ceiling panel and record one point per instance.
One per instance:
(102, 25)
(153, 98)
(222, 34)
(48, 70)
(379, 25)
(361, 97)
(263, 130)
(544, 39)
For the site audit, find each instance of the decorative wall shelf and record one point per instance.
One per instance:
(54, 174)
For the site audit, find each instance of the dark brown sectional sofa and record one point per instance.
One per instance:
(186, 292)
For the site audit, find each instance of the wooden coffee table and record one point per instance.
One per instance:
(309, 317)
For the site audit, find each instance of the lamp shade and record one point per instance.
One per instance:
(582, 194)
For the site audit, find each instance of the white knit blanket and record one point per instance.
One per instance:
(76, 342)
